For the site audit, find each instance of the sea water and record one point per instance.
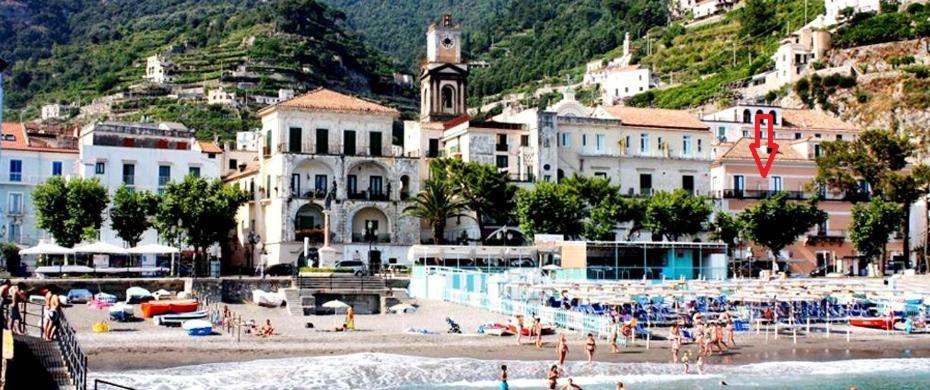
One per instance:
(398, 372)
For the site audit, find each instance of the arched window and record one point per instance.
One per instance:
(774, 117)
(747, 116)
(448, 99)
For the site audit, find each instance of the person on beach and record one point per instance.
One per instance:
(700, 365)
(519, 321)
(686, 360)
(571, 385)
(614, 336)
(718, 338)
(537, 329)
(562, 349)
(674, 337)
(552, 377)
(51, 315)
(708, 339)
(729, 328)
(5, 289)
(350, 318)
(17, 299)
(267, 329)
(699, 337)
(620, 386)
(504, 385)
(590, 347)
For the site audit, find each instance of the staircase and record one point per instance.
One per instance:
(37, 364)
(341, 283)
(299, 302)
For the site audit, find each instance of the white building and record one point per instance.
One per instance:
(144, 156)
(705, 8)
(618, 79)
(247, 140)
(834, 8)
(157, 69)
(325, 150)
(221, 97)
(57, 111)
(731, 124)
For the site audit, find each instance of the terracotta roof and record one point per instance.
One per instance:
(740, 151)
(809, 119)
(21, 140)
(250, 169)
(656, 117)
(209, 147)
(324, 99)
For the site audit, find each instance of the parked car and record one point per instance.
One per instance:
(358, 268)
(284, 269)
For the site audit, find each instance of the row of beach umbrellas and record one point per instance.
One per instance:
(99, 247)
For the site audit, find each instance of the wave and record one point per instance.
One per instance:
(388, 371)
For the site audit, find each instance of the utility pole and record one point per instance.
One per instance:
(734, 54)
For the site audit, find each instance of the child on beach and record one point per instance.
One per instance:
(686, 360)
(700, 365)
(504, 385)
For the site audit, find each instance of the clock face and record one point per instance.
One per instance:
(447, 41)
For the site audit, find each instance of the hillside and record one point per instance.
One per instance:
(259, 46)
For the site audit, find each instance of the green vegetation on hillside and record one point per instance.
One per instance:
(869, 28)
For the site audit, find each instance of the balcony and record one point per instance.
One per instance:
(364, 195)
(826, 237)
(792, 195)
(374, 238)
(335, 149)
(314, 193)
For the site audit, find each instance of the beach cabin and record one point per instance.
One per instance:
(579, 260)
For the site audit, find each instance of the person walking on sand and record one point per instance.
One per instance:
(350, 318)
(504, 385)
(614, 335)
(674, 337)
(519, 322)
(562, 349)
(590, 347)
(552, 377)
(729, 328)
(537, 329)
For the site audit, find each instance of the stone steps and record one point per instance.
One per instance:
(298, 302)
(39, 363)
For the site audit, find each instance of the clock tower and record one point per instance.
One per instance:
(443, 75)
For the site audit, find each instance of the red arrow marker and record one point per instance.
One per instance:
(771, 145)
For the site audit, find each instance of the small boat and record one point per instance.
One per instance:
(883, 323)
(198, 327)
(138, 295)
(494, 329)
(121, 312)
(153, 308)
(80, 295)
(267, 299)
(104, 297)
(178, 319)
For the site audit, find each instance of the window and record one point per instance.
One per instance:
(644, 143)
(686, 145)
(645, 184)
(375, 185)
(722, 132)
(129, 174)
(100, 168)
(502, 143)
(699, 146)
(599, 141)
(745, 133)
(747, 116)
(433, 150)
(164, 175)
(16, 232)
(233, 164)
(15, 205)
(566, 139)
(322, 141)
(817, 135)
(524, 140)
(687, 183)
(797, 135)
(294, 139)
(295, 184)
(817, 151)
(600, 174)
(348, 140)
(352, 184)
(16, 170)
(267, 146)
(739, 183)
(584, 140)
(776, 184)
(374, 139)
(839, 137)
(448, 99)
(56, 168)
(194, 171)
(502, 162)
(320, 185)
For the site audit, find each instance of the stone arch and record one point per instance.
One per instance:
(447, 98)
(747, 116)
(370, 216)
(306, 180)
(774, 117)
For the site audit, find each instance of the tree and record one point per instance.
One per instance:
(203, 211)
(757, 18)
(131, 214)
(486, 192)
(434, 205)
(675, 214)
(874, 162)
(70, 210)
(549, 208)
(727, 228)
(775, 222)
(10, 253)
(872, 224)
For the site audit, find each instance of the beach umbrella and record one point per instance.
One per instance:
(158, 249)
(48, 248)
(336, 305)
(100, 247)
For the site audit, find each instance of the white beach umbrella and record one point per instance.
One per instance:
(47, 248)
(100, 247)
(152, 249)
(335, 304)
(551, 267)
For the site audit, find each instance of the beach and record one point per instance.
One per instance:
(143, 345)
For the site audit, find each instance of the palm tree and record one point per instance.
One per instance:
(436, 204)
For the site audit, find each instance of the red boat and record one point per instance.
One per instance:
(883, 323)
(154, 308)
(512, 327)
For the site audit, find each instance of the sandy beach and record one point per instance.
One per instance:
(143, 345)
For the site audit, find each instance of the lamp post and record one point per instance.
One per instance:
(370, 237)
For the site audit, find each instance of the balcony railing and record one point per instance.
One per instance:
(365, 195)
(374, 238)
(318, 193)
(792, 195)
(336, 149)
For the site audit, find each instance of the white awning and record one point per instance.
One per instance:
(47, 248)
(100, 247)
(153, 248)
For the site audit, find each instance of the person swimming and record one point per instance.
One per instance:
(552, 377)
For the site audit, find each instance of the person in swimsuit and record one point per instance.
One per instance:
(17, 299)
(699, 337)
(537, 329)
(674, 336)
(700, 365)
(686, 360)
(519, 320)
(614, 336)
(562, 349)
(350, 318)
(571, 385)
(553, 377)
(729, 328)
(52, 314)
(504, 385)
(590, 347)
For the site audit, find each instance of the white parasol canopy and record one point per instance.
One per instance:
(551, 267)
(336, 304)
(47, 248)
(100, 247)
(152, 249)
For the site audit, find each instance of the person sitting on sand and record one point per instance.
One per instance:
(504, 385)
(342, 328)
(267, 329)
(590, 346)
(571, 385)
(553, 377)
(562, 349)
